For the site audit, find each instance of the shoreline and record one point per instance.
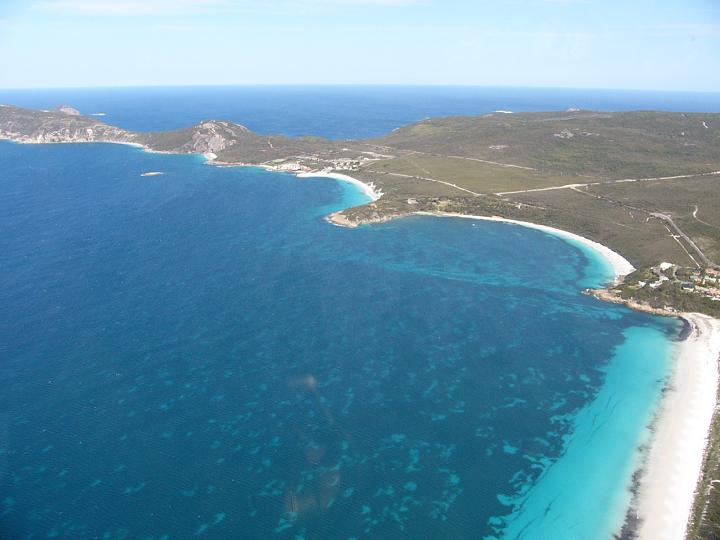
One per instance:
(621, 267)
(608, 295)
(368, 189)
(371, 190)
(666, 485)
(665, 481)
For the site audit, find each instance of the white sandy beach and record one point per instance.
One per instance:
(677, 444)
(621, 266)
(133, 144)
(369, 189)
(674, 461)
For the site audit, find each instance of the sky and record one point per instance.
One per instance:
(621, 44)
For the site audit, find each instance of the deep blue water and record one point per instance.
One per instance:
(336, 112)
(201, 355)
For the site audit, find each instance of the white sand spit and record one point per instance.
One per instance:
(621, 266)
(674, 461)
(369, 189)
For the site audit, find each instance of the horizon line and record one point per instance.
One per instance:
(354, 85)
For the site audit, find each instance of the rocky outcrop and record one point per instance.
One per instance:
(26, 126)
(230, 143)
(67, 109)
(214, 136)
(210, 136)
(64, 134)
(65, 125)
(612, 296)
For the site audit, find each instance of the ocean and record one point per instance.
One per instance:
(343, 112)
(200, 354)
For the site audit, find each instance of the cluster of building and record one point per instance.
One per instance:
(660, 273)
(291, 166)
(311, 163)
(346, 164)
(703, 281)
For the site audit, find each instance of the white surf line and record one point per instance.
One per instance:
(679, 435)
(429, 180)
(369, 189)
(620, 265)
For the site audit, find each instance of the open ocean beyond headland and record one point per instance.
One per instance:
(200, 355)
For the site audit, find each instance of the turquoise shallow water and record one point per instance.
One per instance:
(200, 354)
(586, 493)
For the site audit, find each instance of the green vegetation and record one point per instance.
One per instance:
(594, 155)
(694, 204)
(467, 173)
(601, 175)
(602, 145)
(642, 239)
(670, 294)
(646, 184)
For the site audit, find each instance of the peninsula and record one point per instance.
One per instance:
(643, 183)
(646, 184)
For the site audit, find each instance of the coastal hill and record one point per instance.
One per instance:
(31, 126)
(602, 145)
(233, 143)
(643, 183)
(607, 176)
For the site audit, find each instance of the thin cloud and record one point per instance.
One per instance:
(365, 2)
(130, 7)
(185, 7)
(685, 30)
(566, 2)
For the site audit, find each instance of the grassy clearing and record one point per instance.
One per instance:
(641, 240)
(468, 174)
(680, 199)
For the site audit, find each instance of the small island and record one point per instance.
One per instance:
(645, 184)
